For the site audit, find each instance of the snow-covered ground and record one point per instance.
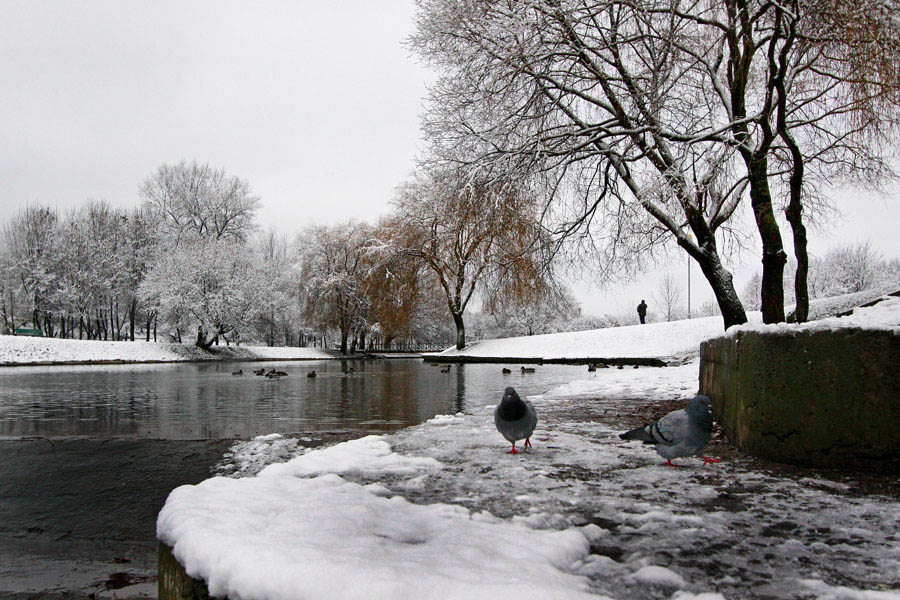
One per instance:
(653, 340)
(884, 315)
(674, 338)
(441, 511)
(30, 350)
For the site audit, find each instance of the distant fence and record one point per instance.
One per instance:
(406, 348)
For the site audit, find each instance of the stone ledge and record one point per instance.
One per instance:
(174, 582)
(827, 398)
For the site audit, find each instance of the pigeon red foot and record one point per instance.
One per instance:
(669, 463)
(707, 460)
(513, 451)
(527, 443)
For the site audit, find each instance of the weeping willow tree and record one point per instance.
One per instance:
(475, 234)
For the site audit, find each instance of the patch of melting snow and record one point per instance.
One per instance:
(637, 529)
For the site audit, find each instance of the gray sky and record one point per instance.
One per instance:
(316, 103)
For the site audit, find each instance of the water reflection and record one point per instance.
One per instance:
(205, 401)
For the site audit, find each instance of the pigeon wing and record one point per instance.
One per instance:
(671, 429)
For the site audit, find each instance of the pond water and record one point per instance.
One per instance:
(203, 401)
(89, 454)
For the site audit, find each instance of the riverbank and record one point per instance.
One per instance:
(33, 351)
(653, 344)
(586, 514)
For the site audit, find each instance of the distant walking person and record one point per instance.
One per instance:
(642, 311)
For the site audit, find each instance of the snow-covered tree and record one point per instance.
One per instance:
(276, 275)
(847, 269)
(193, 199)
(599, 97)
(334, 264)
(89, 267)
(207, 284)
(30, 250)
(136, 257)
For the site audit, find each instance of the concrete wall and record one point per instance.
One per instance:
(823, 398)
(174, 582)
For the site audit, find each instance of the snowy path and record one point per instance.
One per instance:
(440, 510)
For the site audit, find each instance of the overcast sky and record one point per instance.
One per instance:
(315, 103)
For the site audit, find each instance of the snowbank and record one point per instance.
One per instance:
(441, 511)
(17, 350)
(653, 340)
(883, 316)
(287, 534)
(674, 338)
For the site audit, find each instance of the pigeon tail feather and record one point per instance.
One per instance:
(640, 433)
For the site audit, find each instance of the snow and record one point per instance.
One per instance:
(653, 340)
(440, 510)
(250, 457)
(370, 455)
(674, 338)
(823, 591)
(285, 535)
(883, 316)
(679, 381)
(22, 349)
(659, 576)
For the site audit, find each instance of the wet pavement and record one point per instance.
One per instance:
(743, 528)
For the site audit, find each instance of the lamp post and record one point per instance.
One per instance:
(689, 286)
(690, 239)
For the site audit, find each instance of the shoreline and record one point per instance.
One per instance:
(119, 361)
(642, 361)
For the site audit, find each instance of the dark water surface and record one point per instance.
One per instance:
(89, 454)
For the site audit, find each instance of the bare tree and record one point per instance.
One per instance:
(674, 109)
(198, 200)
(598, 96)
(668, 295)
(546, 308)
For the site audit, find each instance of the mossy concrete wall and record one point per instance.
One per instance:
(174, 582)
(826, 398)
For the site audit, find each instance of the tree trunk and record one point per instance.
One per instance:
(794, 214)
(774, 258)
(202, 342)
(460, 330)
(722, 284)
(344, 335)
(131, 318)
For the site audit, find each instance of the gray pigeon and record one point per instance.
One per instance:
(515, 419)
(680, 433)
